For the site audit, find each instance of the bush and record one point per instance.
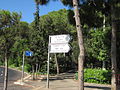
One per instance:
(27, 68)
(12, 66)
(1, 63)
(96, 76)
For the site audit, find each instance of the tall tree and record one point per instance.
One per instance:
(21, 43)
(39, 2)
(115, 6)
(81, 56)
(40, 33)
(7, 23)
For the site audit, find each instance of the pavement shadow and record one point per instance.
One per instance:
(52, 78)
(61, 76)
(104, 88)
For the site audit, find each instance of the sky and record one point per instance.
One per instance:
(27, 8)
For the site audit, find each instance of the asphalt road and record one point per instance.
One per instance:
(13, 75)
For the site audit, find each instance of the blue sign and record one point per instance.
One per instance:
(28, 53)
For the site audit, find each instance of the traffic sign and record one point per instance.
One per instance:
(57, 44)
(59, 48)
(28, 53)
(65, 38)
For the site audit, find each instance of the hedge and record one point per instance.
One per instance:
(96, 76)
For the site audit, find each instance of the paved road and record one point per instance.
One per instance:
(13, 75)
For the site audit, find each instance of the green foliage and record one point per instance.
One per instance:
(8, 26)
(96, 76)
(56, 22)
(42, 2)
(21, 36)
(1, 63)
(96, 44)
(53, 23)
(12, 66)
(27, 67)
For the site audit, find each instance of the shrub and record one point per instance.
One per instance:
(96, 76)
(1, 63)
(27, 68)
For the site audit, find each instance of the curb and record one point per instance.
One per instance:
(41, 88)
(20, 81)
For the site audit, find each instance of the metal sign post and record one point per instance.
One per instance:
(48, 63)
(25, 53)
(23, 65)
(57, 44)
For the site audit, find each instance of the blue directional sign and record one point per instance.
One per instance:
(28, 53)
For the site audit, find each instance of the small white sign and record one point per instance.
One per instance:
(59, 48)
(65, 38)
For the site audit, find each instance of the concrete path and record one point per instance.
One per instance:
(69, 84)
(63, 83)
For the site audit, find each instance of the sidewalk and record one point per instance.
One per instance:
(63, 84)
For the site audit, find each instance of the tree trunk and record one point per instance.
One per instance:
(39, 67)
(6, 72)
(57, 64)
(81, 47)
(103, 67)
(36, 71)
(33, 72)
(113, 49)
(73, 61)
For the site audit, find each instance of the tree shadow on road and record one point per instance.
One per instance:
(104, 88)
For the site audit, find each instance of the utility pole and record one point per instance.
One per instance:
(23, 66)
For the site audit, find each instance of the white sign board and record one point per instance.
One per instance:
(65, 38)
(59, 48)
(57, 44)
